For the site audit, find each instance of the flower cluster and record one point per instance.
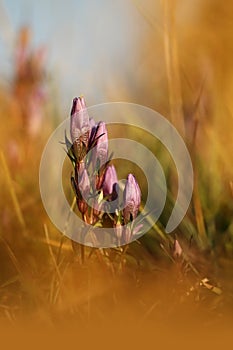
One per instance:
(95, 180)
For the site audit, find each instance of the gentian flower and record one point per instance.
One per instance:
(83, 189)
(84, 183)
(79, 125)
(132, 199)
(101, 142)
(95, 181)
(110, 181)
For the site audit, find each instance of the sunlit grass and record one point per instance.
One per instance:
(46, 277)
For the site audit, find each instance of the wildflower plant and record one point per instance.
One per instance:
(100, 199)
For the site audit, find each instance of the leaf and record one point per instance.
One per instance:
(67, 142)
(71, 157)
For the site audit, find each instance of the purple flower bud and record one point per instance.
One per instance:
(132, 199)
(83, 189)
(110, 179)
(79, 126)
(101, 149)
(84, 183)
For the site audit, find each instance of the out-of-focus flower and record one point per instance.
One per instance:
(132, 199)
(28, 83)
(110, 179)
(80, 125)
(13, 152)
(177, 250)
(35, 112)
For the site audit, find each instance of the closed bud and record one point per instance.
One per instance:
(132, 199)
(84, 183)
(110, 179)
(79, 126)
(83, 189)
(101, 149)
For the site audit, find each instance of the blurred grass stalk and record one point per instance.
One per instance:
(172, 65)
(11, 188)
(175, 99)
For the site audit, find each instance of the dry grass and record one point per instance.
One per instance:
(44, 278)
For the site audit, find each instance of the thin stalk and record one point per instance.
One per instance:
(10, 185)
(172, 66)
(64, 233)
(51, 252)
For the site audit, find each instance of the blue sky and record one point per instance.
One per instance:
(91, 43)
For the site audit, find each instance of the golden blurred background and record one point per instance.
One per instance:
(172, 56)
